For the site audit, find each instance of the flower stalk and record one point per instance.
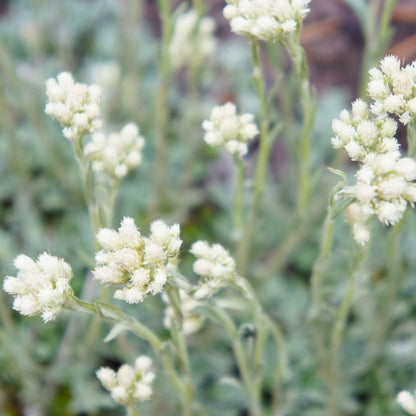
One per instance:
(263, 154)
(115, 315)
(162, 115)
(308, 103)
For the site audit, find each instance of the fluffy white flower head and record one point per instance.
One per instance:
(129, 384)
(393, 89)
(384, 183)
(407, 401)
(41, 287)
(76, 106)
(215, 265)
(193, 39)
(267, 20)
(133, 260)
(117, 153)
(226, 128)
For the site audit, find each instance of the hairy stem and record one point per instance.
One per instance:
(115, 315)
(179, 340)
(339, 328)
(262, 157)
(307, 99)
(238, 211)
(161, 110)
(411, 139)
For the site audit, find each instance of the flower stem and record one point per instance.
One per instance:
(115, 315)
(377, 33)
(238, 210)
(307, 99)
(161, 109)
(87, 181)
(411, 139)
(319, 266)
(179, 340)
(262, 158)
(339, 327)
(246, 376)
(132, 411)
(264, 325)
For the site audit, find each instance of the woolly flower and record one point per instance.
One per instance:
(266, 19)
(226, 128)
(76, 106)
(384, 179)
(393, 89)
(360, 134)
(191, 321)
(407, 401)
(135, 261)
(129, 384)
(41, 287)
(215, 265)
(192, 39)
(117, 153)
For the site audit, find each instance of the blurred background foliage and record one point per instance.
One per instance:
(116, 44)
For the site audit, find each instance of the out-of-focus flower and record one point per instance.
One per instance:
(192, 322)
(130, 384)
(215, 265)
(76, 106)
(193, 39)
(407, 401)
(226, 128)
(266, 19)
(117, 153)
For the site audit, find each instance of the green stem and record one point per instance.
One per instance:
(377, 33)
(320, 264)
(115, 315)
(161, 109)
(262, 158)
(198, 6)
(264, 324)
(307, 99)
(239, 196)
(411, 139)
(338, 331)
(179, 340)
(87, 181)
(246, 377)
(384, 30)
(381, 322)
(132, 411)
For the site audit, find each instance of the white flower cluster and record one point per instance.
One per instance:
(407, 401)
(76, 106)
(215, 265)
(393, 89)
(192, 39)
(129, 385)
(266, 19)
(138, 262)
(226, 128)
(117, 153)
(384, 178)
(41, 287)
(191, 321)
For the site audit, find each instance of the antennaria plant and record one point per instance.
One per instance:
(205, 231)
